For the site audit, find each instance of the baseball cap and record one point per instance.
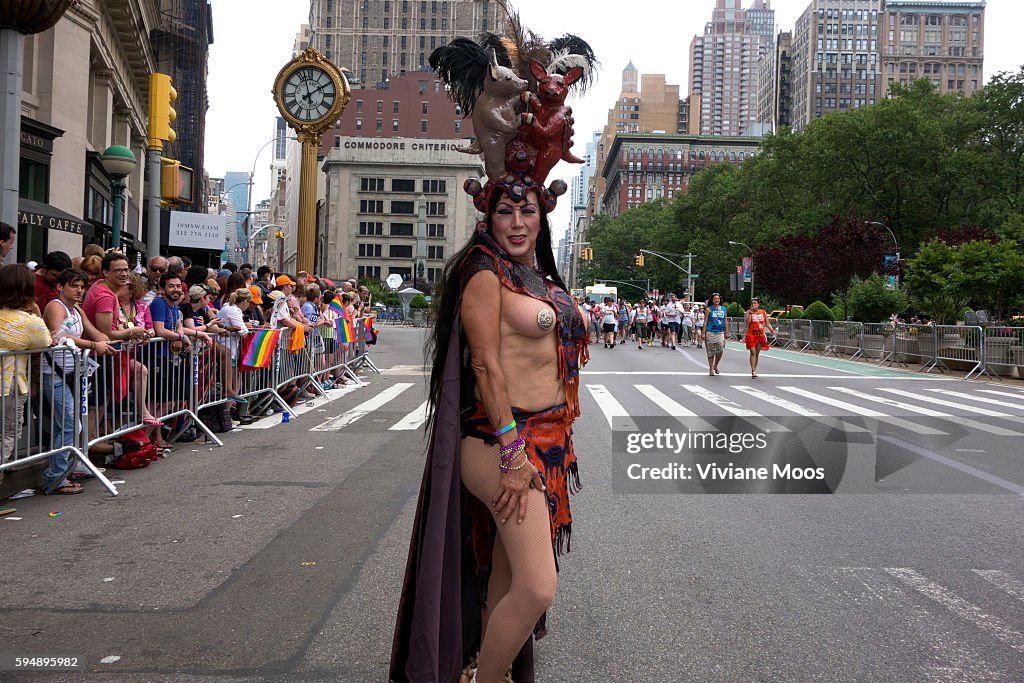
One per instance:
(223, 272)
(257, 295)
(275, 295)
(31, 265)
(198, 291)
(285, 280)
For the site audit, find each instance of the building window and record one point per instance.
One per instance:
(394, 125)
(380, 125)
(371, 206)
(371, 184)
(435, 230)
(403, 185)
(435, 209)
(369, 250)
(458, 126)
(408, 208)
(435, 253)
(435, 186)
(371, 228)
(369, 273)
(423, 125)
(337, 141)
(400, 251)
(401, 229)
(359, 124)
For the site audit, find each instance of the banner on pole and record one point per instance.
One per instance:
(748, 267)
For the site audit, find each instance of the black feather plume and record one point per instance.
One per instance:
(462, 65)
(491, 41)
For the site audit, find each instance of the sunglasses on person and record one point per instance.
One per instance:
(156, 269)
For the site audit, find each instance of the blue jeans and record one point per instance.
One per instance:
(62, 403)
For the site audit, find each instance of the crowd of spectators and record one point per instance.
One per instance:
(96, 301)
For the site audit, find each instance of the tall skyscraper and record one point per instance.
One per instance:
(236, 189)
(941, 41)
(836, 64)
(378, 39)
(774, 92)
(724, 66)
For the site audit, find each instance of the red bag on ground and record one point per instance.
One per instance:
(139, 451)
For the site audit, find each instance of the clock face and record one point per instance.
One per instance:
(309, 93)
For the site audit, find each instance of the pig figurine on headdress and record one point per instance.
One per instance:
(514, 88)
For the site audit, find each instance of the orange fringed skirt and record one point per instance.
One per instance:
(756, 338)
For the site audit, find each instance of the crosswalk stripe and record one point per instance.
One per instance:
(833, 422)
(1010, 584)
(959, 406)
(363, 409)
(617, 416)
(973, 397)
(735, 408)
(928, 412)
(412, 421)
(958, 606)
(864, 412)
(675, 409)
(1002, 393)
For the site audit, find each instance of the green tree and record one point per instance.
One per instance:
(818, 311)
(872, 301)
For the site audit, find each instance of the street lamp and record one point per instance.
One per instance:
(894, 241)
(751, 265)
(119, 163)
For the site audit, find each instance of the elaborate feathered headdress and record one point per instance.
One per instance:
(513, 86)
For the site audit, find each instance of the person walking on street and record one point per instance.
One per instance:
(714, 332)
(757, 321)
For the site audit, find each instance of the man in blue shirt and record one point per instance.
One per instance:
(170, 382)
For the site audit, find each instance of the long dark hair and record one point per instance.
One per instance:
(448, 289)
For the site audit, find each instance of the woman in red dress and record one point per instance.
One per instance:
(756, 340)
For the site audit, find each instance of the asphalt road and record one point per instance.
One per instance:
(279, 556)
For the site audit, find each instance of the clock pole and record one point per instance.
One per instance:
(307, 200)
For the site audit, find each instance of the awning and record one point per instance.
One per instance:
(39, 215)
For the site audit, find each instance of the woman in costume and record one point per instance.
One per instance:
(756, 340)
(714, 333)
(507, 346)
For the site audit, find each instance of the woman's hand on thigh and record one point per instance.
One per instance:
(513, 489)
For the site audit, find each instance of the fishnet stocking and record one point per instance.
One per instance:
(523, 577)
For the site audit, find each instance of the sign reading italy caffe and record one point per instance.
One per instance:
(40, 215)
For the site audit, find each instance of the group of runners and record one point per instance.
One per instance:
(676, 322)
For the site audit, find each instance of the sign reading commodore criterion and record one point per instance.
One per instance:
(197, 230)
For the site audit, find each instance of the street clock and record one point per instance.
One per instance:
(311, 93)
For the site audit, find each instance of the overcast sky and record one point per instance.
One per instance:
(253, 39)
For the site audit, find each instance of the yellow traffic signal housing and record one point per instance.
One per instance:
(161, 114)
(640, 260)
(587, 254)
(175, 182)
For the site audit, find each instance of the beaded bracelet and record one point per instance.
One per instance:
(508, 458)
(519, 466)
(513, 446)
(511, 425)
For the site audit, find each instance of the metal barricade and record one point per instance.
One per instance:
(737, 328)
(783, 333)
(800, 335)
(158, 378)
(845, 338)
(362, 350)
(876, 341)
(958, 347)
(293, 367)
(1004, 351)
(912, 344)
(43, 413)
(820, 334)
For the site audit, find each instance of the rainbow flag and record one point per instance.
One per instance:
(336, 307)
(346, 330)
(261, 348)
(370, 331)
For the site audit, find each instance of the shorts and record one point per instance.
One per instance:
(673, 326)
(608, 327)
(641, 330)
(329, 345)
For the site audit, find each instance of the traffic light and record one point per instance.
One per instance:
(175, 182)
(161, 114)
(640, 260)
(587, 254)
